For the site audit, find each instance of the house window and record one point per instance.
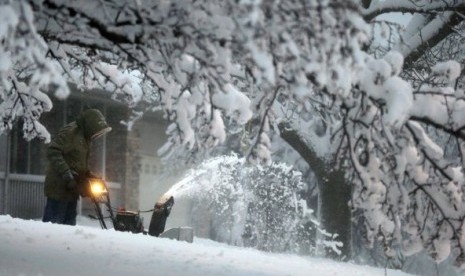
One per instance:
(26, 157)
(147, 169)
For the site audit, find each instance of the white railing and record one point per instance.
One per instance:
(22, 195)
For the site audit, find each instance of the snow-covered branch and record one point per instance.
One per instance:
(377, 7)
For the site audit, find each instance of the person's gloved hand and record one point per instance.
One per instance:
(70, 177)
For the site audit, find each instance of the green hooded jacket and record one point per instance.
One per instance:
(69, 149)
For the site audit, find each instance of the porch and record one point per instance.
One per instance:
(22, 196)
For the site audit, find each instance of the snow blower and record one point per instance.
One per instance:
(129, 221)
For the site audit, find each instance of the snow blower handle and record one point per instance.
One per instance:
(96, 189)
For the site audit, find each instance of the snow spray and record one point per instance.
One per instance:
(240, 200)
(205, 179)
(182, 188)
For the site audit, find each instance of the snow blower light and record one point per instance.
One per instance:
(97, 187)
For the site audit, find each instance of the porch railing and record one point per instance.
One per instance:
(22, 195)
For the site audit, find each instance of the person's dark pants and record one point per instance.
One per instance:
(60, 212)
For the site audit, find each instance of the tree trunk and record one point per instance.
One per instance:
(334, 193)
(334, 212)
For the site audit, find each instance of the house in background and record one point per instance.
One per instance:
(127, 160)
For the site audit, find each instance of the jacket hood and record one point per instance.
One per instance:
(93, 124)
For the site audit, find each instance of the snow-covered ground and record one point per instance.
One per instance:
(34, 248)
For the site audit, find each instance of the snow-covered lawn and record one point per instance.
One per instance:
(34, 248)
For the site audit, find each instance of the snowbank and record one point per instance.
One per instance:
(34, 248)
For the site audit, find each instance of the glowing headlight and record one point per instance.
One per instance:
(97, 187)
